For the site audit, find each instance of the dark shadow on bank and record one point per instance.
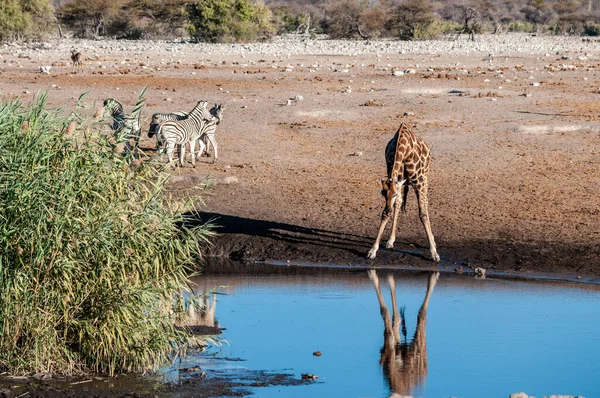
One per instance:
(233, 225)
(297, 236)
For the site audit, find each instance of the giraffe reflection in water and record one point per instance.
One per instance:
(404, 364)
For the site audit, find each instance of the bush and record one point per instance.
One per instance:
(343, 19)
(591, 29)
(158, 18)
(287, 20)
(24, 19)
(93, 253)
(522, 27)
(412, 19)
(229, 21)
(89, 18)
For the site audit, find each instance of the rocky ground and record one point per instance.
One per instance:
(512, 121)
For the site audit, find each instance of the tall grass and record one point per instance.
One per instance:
(91, 252)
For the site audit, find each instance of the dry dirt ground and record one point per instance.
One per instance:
(514, 181)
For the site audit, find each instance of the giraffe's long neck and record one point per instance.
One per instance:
(398, 160)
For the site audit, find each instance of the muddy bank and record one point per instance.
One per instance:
(245, 240)
(194, 382)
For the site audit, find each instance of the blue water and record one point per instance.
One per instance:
(485, 338)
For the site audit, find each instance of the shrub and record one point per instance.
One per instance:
(228, 20)
(24, 19)
(92, 252)
(286, 19)
(412, 19)
(523, 27)
(159, 18)
(89, 18)
(343, 19)
(591, 29)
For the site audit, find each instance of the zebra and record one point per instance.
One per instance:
(180, 132)
(158, 118)
(125, 126)
(208, 133)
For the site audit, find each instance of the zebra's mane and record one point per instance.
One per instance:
(113, 106)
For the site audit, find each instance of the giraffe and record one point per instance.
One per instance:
(404, 364)
(407, 156)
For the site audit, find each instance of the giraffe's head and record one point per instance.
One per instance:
(390, 190)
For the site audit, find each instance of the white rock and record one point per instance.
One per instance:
(230, 180)
(519, 395)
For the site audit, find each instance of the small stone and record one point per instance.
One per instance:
(480, 272)
(230, 180)
(192, 369)
(535, 84)
(398, 73)
(409, 113)
(358, 153)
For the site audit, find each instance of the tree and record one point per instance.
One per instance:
(88, 18)
(229, 20)
(24, 19)
(160, 17)
(412, 19)
(343, 20)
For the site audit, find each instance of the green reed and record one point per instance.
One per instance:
(93, 254)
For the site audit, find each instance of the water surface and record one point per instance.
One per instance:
(484, 338)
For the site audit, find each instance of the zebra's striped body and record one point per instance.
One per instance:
(126, 127)
(158, 118)
(208, 133)
(180, 132)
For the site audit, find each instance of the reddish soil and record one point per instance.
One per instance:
(514, 181)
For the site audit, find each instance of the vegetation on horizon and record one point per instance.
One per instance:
(94, 254)
(249, 20)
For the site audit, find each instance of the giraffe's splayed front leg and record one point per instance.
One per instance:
(434, 255)
(373, 252)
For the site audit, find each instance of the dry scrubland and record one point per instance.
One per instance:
(512, 121)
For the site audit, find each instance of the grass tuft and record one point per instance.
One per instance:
(92, 253)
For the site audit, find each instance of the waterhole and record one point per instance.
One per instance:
(464, 337)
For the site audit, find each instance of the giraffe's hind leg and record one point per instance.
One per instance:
(404, 197)
(421, 191)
